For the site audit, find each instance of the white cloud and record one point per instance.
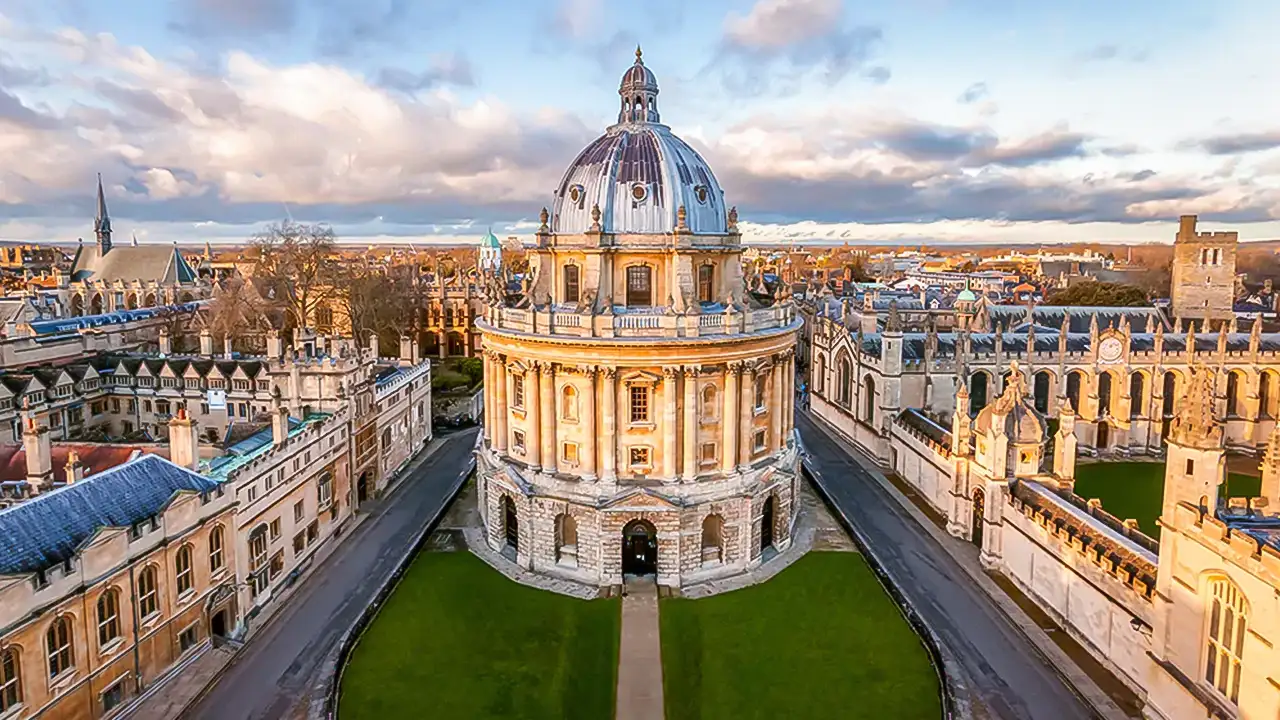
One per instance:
(776, 24)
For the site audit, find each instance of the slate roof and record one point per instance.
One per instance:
(1009, 316)
(49, 530)
(162, 264)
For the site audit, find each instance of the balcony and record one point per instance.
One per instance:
(564, 321)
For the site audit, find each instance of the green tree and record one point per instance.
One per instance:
(473, 368)
(1099, 294)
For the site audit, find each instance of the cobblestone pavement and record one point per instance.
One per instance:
(273, 674)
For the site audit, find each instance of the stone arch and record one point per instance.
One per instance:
(978, 508)
(510, 523)
(566, 540)
(1137, 393)
(1236, 384)
(709, 399)
(1075, 380)
(639, 548)
(844, 379)
(712, 540)
(1040, 390)
(1106, 394)
(150, 300)
(131, 301)
(1172, 383)
(569, 403)
(96, 304)
(185, 297)
(1268, 394)
(77, 305)
(869, 399)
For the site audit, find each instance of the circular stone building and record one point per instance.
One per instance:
(639, 399)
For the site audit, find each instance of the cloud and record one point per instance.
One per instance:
(1106, 52)
(779, 43)
(974, 93)
(242, 18)
(1237, 143)
(14, 112)
(577, 19)
(448, 69)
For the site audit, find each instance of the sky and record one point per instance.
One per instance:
(904, 121)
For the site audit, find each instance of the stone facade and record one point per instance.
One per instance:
(1203, 286)
(637, 393)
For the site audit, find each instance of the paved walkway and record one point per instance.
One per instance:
(640, 654)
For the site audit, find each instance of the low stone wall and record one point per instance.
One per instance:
(862, 435)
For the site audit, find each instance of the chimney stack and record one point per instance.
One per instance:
(39, 449)
(279, 419)
(74, 468)
(373, 344)
(166, 343)
(275, 346)
(184, 442)
(406, 350)
(226, 346)
(206, 343)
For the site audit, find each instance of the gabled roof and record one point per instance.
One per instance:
(51, 528)
(162, 264)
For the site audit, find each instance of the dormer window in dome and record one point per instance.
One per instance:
(639, 192)
(577, 195)
(700, 192)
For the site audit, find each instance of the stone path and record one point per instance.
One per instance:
(640, 654)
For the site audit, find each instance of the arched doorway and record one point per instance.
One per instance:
(979, 512)
(218, 625)
(1104, 435)
(766, 523)
(510, 523)
(362, 487)
(639, 548)
(95, 305)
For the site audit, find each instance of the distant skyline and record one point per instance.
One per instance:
(916, 121)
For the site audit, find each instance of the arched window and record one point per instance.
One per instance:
(182, 569)
(639, 286)
(979, 383)
(1104, 394)
(1073, 390)
(706, 283)
(148, 596)
(710, 407)
(572, 290)
(869, 400)
(10, 679)
(819, 373)
(108, 616)
(1228, 618)
(1233, 393)
(215, 549)
(844, 379)
(566, 540)
(58, 645)
(569, 403)
(1040, 391)
(713, 540)
(761, 390)
(1137, 395)
(1266, 394)
(1169, 388)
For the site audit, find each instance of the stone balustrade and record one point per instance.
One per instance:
(649, 323)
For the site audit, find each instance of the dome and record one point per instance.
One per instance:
(490, 240)
(966, 295)
(639, 174)
(1022, 424)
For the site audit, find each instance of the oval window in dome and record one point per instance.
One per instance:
(638, 192)
(700, 192)
(575, 194)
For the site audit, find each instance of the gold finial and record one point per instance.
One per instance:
(639, 54)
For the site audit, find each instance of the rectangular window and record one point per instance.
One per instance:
(639, 286)
(639, 458)
(758, 441)
(187, 638)
(313, 531)
(113, 696)
(277, 565)
(299, 543)
(569, 453)
(761, 392)
(517, 391)
(251, 494)
(517, 441)
(1191, 466)
(571, 293)
(706, 286)
(298, 511)
(708, 454)
(325, 491)
(275, 529)
(639, 404)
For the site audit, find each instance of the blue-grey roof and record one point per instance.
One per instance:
(1010, 316)
(48, 530)
(73, 324)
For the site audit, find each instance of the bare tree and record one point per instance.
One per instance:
(237, 309)
(380, 300)
(297, 268)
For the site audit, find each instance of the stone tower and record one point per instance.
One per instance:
(1204, 272)
(1196, 461)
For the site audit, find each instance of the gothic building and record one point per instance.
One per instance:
(640, 413)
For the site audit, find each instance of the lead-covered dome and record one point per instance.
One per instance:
(639, 174)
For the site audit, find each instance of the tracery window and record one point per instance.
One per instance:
(1228, 618)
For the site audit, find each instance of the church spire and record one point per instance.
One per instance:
(102, 221)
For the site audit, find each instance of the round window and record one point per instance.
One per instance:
(700, 192)
(638, 192)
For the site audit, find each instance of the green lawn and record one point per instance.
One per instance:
(819, 640)
(457, 639)
(1136, 489)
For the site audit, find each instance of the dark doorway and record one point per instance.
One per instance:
(977, 392)
(766, 523)
(1104, 435)
(639, 548)
(218, 625)
(979, 511)
(362, 487)
(510, 523)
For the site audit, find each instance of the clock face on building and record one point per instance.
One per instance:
(1110, 350)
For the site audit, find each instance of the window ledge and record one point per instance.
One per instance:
(760, 411)
(13, 712)
(641, 425)
(186, 596)
(109, 648)
(62, 680)
(149, 620)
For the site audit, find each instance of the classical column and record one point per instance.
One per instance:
(547, 398)
(778, 406)
(500, 411)
(728, 416)
(588, 420)
(489, 399)
(608, 428)
(669, 430)
(746, 411)
(532, 416)
(690, 429)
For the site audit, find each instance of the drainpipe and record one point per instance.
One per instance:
(137, 665)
